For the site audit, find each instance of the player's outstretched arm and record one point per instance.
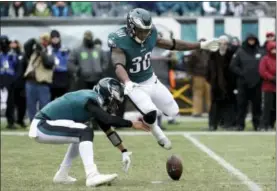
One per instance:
(181, 45)
(109, 120)
(177, 45)
(117, 142)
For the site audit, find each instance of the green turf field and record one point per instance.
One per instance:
(27, 165)
(200, 124)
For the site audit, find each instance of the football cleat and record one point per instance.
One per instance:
(165, 143)
(59, 179)
(94, 180)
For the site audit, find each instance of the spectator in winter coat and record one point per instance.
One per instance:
(41, 9)
(223, 84)
(103, 8)
(235, 44)
(245, 64)
(60, 9)
(19, 89)
(201, 90)
(9, 73)
(4, 8)
(87, 63)
(81, 8)
(61, 77)
(270, 36)
(18, 9)
(169, 8)
(268, 73)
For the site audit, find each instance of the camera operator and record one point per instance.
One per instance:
(61, 77)
(9, 72)
(38, 74)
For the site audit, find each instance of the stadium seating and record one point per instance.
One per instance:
(114, 9)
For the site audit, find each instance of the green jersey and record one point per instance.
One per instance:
(71, 106)
(137, 55)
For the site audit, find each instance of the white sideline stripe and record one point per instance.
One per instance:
(242, 177)
(131, 133)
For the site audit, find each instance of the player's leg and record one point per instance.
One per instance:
(164, 100)
(61, 132)
(62, 174)
(81, 138)
(142, 101)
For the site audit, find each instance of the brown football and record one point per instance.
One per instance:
(174, 167)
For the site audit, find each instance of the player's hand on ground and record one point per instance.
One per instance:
(140, 126)
(126, 160)
(211, 45)
(129, 86)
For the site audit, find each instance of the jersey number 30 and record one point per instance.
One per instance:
(141, 63)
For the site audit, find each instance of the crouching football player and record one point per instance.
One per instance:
(63, 121)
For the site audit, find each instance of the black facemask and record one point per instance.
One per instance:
(88, 43)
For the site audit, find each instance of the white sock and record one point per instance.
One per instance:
(156, 131)
(86, 153)
(72, 152)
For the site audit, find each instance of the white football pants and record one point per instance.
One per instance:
(153, 95)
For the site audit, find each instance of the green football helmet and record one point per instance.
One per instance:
(139, 24)
(112, 93)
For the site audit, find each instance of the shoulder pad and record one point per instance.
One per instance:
(115, 38)
(111, 41)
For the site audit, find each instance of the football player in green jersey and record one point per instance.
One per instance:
(131, 48)
(64, 121)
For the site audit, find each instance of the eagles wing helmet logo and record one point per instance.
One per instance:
(100, 100)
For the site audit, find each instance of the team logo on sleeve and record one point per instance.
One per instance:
(111, 43)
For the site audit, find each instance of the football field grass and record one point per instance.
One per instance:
(27, 165)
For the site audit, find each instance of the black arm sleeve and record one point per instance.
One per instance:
(104, 118)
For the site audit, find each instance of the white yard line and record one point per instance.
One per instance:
(236, 172)
(136, 133)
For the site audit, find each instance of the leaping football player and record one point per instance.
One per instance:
(131, 48)
(62, 121)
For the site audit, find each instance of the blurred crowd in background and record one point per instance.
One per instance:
(42, 69)
(223, 83)
(114, 9)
